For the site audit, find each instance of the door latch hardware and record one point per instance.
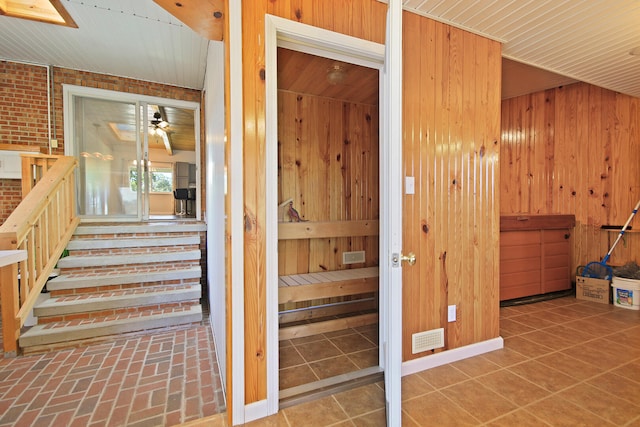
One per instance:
(396, 259)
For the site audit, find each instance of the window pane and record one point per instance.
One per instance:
(162, 181)
(104, 179)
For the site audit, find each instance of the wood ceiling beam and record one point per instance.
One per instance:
(50, 12)
(205, 17)
(166, 138)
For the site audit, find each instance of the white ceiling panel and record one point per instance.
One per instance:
(136, 39)
(587, 40)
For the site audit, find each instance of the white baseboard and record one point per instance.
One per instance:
(450, 356)
(256, 410)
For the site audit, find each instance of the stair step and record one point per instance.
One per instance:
(53, 333)
(149, 227)
(65, 282)
(153, 295)
(111, 260)
(132, 242)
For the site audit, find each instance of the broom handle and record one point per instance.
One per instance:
(624, 227)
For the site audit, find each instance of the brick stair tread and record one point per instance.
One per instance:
(149, 227)
(131, 242)
(127, 259)
(54, 333)
(63, 305)
(64, 282)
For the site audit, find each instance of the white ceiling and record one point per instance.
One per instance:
(586, 40)
(128, 38)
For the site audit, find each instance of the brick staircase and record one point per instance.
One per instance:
(120, 279)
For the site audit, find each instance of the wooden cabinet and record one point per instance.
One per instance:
(535, 254)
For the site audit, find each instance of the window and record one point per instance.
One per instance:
(161, 177)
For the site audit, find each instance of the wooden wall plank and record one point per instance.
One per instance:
(451, 121)
(411, 77)
(590, 158)
(332, 175)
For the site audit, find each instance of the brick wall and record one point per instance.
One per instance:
(11, 194)
(23, 109)
(23, 104)
(23, 119)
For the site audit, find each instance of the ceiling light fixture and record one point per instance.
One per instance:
(336, 73)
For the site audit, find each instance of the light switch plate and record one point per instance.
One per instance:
(452, 313)
(409, 185)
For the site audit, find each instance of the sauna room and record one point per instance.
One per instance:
(328, 198)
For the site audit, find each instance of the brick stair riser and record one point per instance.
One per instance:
(139, 314)
(126, 235)
(123, 232)
(132, 251)
(128, 286)
(128, 268)
(105, 314)
(78, 331)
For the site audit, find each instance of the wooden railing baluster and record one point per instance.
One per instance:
(41, 226)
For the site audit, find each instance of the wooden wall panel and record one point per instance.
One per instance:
(451, 123)
(580, 159)
(328, 164)
(360, 18)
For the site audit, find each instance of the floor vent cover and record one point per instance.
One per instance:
(428, 340)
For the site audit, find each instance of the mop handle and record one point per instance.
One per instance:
(622, 231)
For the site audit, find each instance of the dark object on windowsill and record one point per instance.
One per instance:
(614, 227)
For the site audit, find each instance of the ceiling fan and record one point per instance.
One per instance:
(158, 123)
(159, 128)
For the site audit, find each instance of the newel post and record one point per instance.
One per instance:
(9, 294)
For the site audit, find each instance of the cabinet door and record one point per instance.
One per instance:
(556, 250)
(520, 264)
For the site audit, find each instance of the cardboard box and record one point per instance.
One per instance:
(596, 290)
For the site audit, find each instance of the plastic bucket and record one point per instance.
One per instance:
(626, 293)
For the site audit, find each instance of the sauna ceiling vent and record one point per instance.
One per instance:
(427, 340)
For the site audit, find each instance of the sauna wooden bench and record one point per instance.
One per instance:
(327, 284)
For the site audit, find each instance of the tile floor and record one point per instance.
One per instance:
(152, 380)
(305, 360)
(565, 363)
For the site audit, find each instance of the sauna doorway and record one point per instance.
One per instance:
(328, 223)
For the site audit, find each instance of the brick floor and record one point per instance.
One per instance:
(151, 380)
